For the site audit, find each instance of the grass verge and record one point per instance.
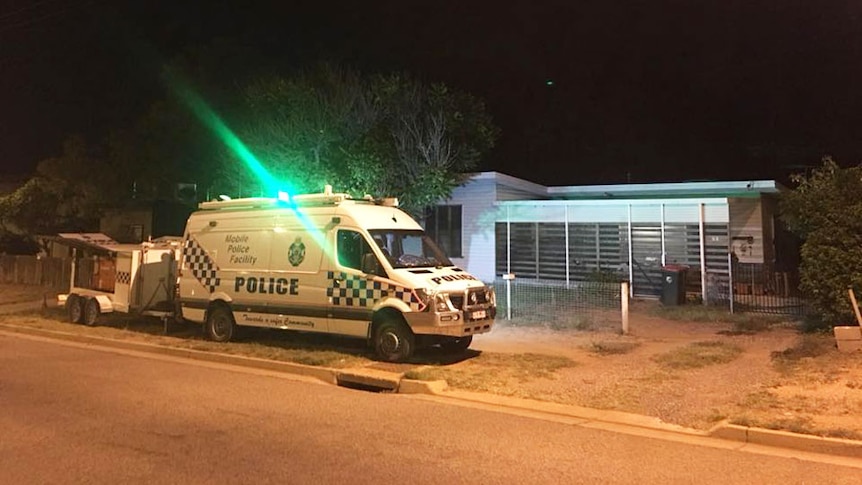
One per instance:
(263, 344)
(809, 346)
(493, 372)
(797, 424)
(611, 347)
(698, 354)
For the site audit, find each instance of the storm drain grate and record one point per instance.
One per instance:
(367, 383)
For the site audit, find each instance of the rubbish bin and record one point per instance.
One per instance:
(673, 284)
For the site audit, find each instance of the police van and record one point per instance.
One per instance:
(327, 263)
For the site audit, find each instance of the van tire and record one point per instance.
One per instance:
(220, 324)
(456, 345)
(394, 341)
(75, 308)
(91, 311)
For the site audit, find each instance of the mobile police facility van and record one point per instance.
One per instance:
(327, 263)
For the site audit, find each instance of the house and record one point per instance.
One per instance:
(496, 224)
(143, 220)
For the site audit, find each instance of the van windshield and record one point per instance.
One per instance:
(409, 248)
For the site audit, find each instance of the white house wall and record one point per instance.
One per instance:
(747, 229)
(476, 198)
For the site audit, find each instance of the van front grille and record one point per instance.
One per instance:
(472, 298)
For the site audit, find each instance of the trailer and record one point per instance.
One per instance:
(108, 277)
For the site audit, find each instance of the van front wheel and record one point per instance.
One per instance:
(456, 344)
(393, 341)
(220, 324)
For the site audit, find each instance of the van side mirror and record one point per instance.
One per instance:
(370, 264)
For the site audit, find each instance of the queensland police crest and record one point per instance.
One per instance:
(296, 253)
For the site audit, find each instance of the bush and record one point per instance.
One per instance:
(17, 244)
(826, 211)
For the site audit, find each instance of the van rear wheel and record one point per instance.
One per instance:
(393, 341)
(220, 324)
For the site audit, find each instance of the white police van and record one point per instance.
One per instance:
(327, 263)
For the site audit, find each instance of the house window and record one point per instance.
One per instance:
(444, 226)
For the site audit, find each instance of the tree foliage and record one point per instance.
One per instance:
(825, 210)
(385, 135)
(65, 194)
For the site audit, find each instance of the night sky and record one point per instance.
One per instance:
(583, 91)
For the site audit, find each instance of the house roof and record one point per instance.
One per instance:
(750, 188)
(509, 181)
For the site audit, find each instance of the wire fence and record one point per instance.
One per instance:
(578, 305)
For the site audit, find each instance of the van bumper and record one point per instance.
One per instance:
(450, 324)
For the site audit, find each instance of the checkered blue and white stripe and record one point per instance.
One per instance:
(124, 277)
(355, 291)
(203, 268)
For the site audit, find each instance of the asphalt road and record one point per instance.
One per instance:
(73, 414)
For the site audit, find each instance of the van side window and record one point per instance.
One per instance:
(352, 247)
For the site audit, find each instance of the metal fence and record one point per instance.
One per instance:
(33, 270)
(578, 305)
(749, 287)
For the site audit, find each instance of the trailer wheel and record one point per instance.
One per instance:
(91, 311)
(456, 345)
(220, 324)
(75, 308)
(393, 341)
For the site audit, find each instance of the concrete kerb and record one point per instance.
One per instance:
(786, 439)
(397, 383)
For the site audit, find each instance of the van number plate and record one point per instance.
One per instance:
(478, 315)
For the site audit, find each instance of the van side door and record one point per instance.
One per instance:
(354, 285)
(295, 270)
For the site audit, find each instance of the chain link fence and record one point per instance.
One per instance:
(579, 305)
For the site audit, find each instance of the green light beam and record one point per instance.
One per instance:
(211, 120)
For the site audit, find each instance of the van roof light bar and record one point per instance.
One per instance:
(327, 197)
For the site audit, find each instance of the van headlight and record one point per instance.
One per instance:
(426, 297)
(438, 302)
(441, 303)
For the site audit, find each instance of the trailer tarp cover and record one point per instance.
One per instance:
(89, 240)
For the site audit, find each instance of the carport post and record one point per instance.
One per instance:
(631, 253)
(730, 280)
(566, 207)
(508, 276)
(701, 217)
(624, 299)
(663, 241)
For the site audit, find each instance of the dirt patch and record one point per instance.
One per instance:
(742, 377)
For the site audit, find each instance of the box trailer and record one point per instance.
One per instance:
(127, 278)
